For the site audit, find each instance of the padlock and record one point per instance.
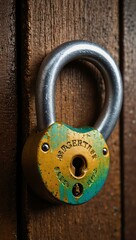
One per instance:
(61, 163)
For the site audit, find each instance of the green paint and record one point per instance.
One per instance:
(61, 191)
(80, 130)
(88, 192)
(97, 182)
(58, 134)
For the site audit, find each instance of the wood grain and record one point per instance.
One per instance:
(78, 102)
(129, 118)
(8, 121)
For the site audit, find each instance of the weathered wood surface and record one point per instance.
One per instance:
(78, 101)
(8, 121)
(129, 118)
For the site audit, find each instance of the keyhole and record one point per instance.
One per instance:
(78, 166)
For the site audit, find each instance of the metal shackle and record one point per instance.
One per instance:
(53, 64)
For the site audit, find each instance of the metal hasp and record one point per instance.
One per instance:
(53, 64)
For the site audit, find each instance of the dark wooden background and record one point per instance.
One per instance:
(30, 29)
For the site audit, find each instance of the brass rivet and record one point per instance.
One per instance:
(45, 147)
(105, 151)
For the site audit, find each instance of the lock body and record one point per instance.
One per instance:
(65, 164)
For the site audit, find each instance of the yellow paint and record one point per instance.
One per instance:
(51, 173)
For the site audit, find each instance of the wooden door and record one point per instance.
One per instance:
(30, 29)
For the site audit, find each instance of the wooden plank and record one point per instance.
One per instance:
(8, 121)
(129, 117)
(78, 95)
